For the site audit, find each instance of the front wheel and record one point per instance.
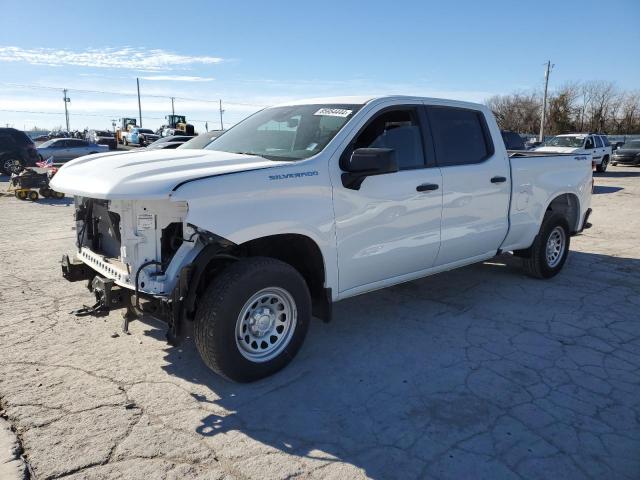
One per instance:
(546, 257)
(252, 319)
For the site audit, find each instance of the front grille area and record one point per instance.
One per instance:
(100, 229)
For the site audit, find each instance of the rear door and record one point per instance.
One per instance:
(598, 151)
(475, 180)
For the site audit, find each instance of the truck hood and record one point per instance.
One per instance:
(558, 149)
(147, 175)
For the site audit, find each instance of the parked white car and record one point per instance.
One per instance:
(597, 146)
(308, 203)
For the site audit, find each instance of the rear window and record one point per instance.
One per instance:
(512, 141)
(461, 136)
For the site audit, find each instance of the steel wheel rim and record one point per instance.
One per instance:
(555, 246)
(266, 324)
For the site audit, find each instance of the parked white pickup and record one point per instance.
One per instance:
(308, 203)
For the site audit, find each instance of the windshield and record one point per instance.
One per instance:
(632, 144)
(49, 143)
(102, 133)
(573, 142)
(145, 130)
(286, 133)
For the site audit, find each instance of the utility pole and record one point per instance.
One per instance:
(66, 111)
(173, 110)
(544, 99)
(221, 112)
(139, 105)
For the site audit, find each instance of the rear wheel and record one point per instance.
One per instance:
(252, 319)
(546, 257)
(603, 165)
(12, 165)
(33, 195)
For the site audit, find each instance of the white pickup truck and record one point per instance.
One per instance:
(305, 204)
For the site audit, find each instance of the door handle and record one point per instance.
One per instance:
(425, 187)
(498, 179)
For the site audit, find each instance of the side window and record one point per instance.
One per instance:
(598, 142)
(589, 143)
(605, 140)
(399, 130)
(461, 136)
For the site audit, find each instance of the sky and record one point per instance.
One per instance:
(254, 54)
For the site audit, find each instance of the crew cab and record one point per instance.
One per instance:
(304, 204)
(597, 146)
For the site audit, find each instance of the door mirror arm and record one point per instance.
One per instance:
(365, 162)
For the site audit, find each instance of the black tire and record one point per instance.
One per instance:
(603, 165)
(33, 195)
(535, 262)
(11, 165)
(219, 312)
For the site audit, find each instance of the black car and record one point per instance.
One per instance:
(202, 140)
(512, 140)
(171, 142)
(16, 150)
(103, 137)
(627, 154)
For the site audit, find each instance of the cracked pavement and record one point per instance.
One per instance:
(475, 373)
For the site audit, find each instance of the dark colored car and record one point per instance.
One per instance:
(512, 141)
(627, 154)
(16, 150)
(202, 140)
(103, 137)
(167, 143)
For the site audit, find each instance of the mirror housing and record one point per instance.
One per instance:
(365, 162)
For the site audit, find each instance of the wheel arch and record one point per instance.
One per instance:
(568, 205)
(298, 250)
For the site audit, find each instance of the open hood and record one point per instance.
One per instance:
(147, 175)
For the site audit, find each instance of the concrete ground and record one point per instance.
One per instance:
(477, 373)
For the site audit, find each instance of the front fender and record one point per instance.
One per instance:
(288, 199)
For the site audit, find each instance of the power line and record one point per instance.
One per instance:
(131, 94)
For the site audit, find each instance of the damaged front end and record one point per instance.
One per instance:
(138, 255)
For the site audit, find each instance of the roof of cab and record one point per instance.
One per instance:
(362, 99)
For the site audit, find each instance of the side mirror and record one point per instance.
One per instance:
(365, 162)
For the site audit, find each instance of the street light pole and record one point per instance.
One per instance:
(221, 112)
(139, 105)
(66, 111)
(544, 100)
(173, 110)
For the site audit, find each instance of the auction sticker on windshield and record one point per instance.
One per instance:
(333, 112)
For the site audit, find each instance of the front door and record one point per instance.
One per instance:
(390, 226)
(476, 182)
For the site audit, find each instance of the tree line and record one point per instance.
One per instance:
(594, 106)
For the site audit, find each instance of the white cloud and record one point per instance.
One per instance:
(176, 78)
(151, 60)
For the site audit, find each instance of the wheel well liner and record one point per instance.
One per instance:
(299, 251)
(567, 205)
